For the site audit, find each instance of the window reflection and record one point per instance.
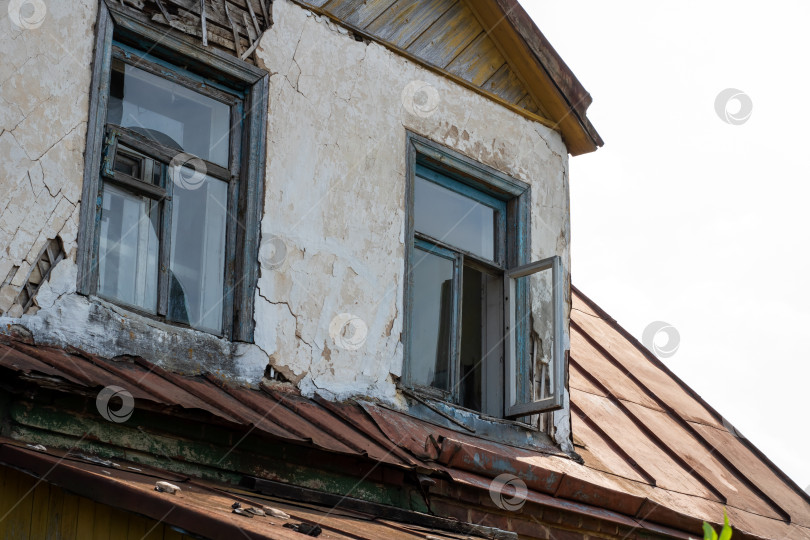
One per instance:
(431, 323)
(128, 248)
(197, 263)
(454, 219)
(168, 113)
(473, 320)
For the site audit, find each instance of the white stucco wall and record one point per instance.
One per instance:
(336, 191)
(334, 222)
(44, 84)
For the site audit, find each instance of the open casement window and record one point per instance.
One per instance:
(473, 336)
(174, 165)
(534, 385)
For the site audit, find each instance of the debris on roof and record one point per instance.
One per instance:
(653, 454)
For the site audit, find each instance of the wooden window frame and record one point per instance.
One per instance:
(513, 384)
(215, 74)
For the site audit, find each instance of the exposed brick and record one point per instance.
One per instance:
(560, 534)
(590, 524)
(569, 519)
(448, 509)
(489, 519)
(608, 528)
(528, 527)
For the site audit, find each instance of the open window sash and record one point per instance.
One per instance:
(518, 364)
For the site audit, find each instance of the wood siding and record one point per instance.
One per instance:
(33, 509)
(232, 26)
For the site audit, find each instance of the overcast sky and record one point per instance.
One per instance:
(684, 218)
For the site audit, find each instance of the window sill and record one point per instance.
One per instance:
(460, 419)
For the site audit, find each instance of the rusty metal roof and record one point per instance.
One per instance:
(641, 428)
(656, 456)
(200, 507)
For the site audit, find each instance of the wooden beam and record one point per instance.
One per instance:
(534, 75)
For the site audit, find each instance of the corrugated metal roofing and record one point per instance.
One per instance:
(655, 455)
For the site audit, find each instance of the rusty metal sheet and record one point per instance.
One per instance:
(355, 416)
(15, 360)
(790, 497)
(323, 418)
(704, 461)
(274, 410)
(655, 377)
(654, 458)
(586, 354)
(148, 378)
(604, 455)
(203, 508)
(81, 368)
(473, 480)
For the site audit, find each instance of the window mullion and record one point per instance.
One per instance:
(455, 349)
(165, 244)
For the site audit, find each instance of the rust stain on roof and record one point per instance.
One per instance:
(655, 454)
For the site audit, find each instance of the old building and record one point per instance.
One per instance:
(313, 257)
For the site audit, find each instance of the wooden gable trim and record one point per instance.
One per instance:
(310, 6)
(550, 82)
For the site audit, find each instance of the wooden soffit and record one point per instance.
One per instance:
(489, 46)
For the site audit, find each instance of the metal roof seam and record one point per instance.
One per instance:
(180, 382)
(237, 395)
(380, 438)
(665, 448)
(279, 397)
(614, 445)
(676, 416)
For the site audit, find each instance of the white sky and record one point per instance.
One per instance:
(683, 218)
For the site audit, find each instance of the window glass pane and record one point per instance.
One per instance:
(197, 262)
(128, 248)
(431, 319)
(454, 219)
(472, 339)
(168, 113)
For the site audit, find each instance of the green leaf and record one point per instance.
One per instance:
(725, 534)
(708, 532)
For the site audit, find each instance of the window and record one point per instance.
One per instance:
(472, 336)
(175, 147)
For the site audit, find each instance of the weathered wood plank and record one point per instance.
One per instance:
(54, 510)
(529, 103)
(15, 508)
(358, 13)
(101, 521)
(39, 510)
(505, 84)
(86, 518)
(478, 62)
(216, 11)
(448, 36)
(137, 526)
(70, 516)
(406, 20)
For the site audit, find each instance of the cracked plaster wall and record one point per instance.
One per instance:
(334, 205)
(44, 84)
(335, 196)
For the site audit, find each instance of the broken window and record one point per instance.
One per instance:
(177, 179)
(475, 337)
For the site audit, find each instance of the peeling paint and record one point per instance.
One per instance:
(335, 197)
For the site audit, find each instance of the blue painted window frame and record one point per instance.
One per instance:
(120, 32)
(458, 172)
